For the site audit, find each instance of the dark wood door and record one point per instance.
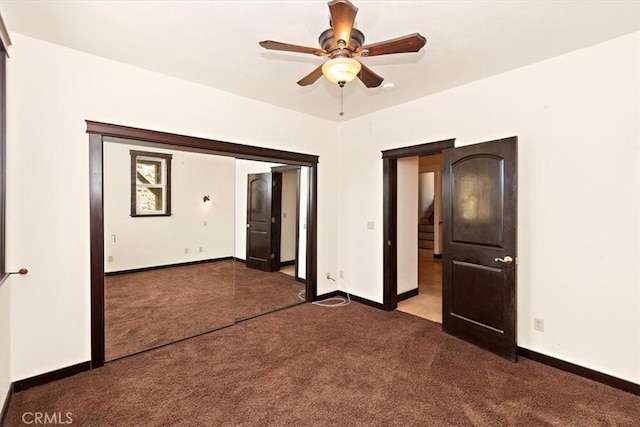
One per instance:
(479, 237)
(263, 221)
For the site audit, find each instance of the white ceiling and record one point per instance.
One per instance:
(215, 43)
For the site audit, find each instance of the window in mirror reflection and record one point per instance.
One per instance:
(150, 183)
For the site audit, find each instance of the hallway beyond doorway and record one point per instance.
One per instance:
(428, 303)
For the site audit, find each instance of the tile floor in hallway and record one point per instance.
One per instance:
(428, 303)
(288, 269)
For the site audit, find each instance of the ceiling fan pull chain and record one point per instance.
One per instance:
(342, 100)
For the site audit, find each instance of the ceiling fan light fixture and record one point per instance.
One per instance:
(341, 70)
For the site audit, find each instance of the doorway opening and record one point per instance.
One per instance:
(420, 241)
(401, 168)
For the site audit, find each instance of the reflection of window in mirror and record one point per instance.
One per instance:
(150, 184)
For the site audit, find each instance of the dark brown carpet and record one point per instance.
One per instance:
(147, 309)
(314, 366)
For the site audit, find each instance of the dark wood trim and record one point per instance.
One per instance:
(276, 215)
(285, 168)
(287, 263)
(155, 215)
(137, 153)
(301, 280)
(5, 406)
(211, 146)
(418, 150)
(409, 294)
(98, 131)
(352, 297)
(590, 374)
(96, 224)
(161, 267)
(3, 160)
(311, 290)
(389, 232)
(389, 211)
(244, 261)
(437, 256)
(48, 377)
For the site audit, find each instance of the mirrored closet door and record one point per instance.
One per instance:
(194, 242)
(169, 220)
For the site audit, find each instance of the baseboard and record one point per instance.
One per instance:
(287, 263)
(406, 295)
(51, 376)
(243, 261)
(301, 280)
(437, 256)
(590, 374)
(352, 297)
(160, 267)
(5, 407)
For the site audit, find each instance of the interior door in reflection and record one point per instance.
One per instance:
(263, 221)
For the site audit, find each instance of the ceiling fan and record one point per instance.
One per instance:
(342, 44)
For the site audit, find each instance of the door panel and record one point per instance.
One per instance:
(478, 190)
(480, 213)
(264, 196)
(259, 221)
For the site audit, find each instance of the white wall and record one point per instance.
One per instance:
(570, 113)
(288, 216)
(407, 218)
(51, 91)
(150, 241)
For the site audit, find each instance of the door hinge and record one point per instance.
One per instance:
(273, 256)
(273, 183)
(273, 220)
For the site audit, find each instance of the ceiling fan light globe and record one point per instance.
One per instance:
(340, 70)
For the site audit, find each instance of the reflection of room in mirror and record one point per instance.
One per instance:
(271, 206)
(173, 277)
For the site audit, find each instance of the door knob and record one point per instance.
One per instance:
(506, 260)
(248, 225)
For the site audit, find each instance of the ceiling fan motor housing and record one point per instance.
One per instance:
(328, 43)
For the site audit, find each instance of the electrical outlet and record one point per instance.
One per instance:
(329, 275)
(204, 223)
(370, 225)
(186, 250)
(538, 324)
(110, 258)
(200, 249)
(340, 274)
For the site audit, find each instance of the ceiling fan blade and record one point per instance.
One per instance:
(311, 77)
(369, 77)
(273, 45)
(343, 16)
(409, 43)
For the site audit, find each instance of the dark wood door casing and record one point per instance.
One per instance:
(480, 223)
